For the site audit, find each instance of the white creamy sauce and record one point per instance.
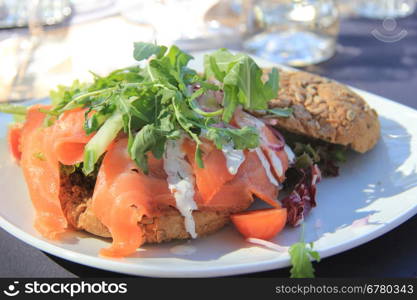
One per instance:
(181, 182)
(183, 250)
(276, 162)
(290, 154)
(266, 165)
(234, 158)
(245, 119)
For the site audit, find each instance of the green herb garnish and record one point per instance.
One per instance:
(39, 155)
(301, 254)
(241, 81)
(154, 103)
(280, 112)
(18, 110)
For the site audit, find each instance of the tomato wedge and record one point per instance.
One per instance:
(261, 224)
(15, 131)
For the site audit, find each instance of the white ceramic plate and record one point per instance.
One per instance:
(374, 193)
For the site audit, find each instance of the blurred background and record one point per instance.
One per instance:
(44, 43)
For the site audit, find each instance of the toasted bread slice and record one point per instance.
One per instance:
(75, 195)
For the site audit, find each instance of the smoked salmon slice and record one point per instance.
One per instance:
(251, 179)
(272, 147)
(70, 137)
(214, 175)
(41, 171)
(218, 188)
(123, 195)
(42, 148)
(254, 176)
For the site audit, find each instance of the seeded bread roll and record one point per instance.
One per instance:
(326, 110)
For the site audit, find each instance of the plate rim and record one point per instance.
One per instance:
(140, 270)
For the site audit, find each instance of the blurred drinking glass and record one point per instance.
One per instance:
(17, 13)
(16, 82)
(381, 9)
(293, 32)
(191, 24)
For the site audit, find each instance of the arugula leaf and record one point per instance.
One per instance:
(178, 58)
(184, 117)
(149, 138)
(125, 106)
(301, 254)
(230, 102)
(214, 68)
(130, 74)
(13, 109)
(217, 64)
(246, 75)
(242, 81)
(272, 84)
(241, 138)
(145, 50)
(281, 112)
(244, 138)
(64, 94)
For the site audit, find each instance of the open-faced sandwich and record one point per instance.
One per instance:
(158, 152)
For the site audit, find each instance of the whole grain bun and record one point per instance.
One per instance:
(75, 194)
(326, 110)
